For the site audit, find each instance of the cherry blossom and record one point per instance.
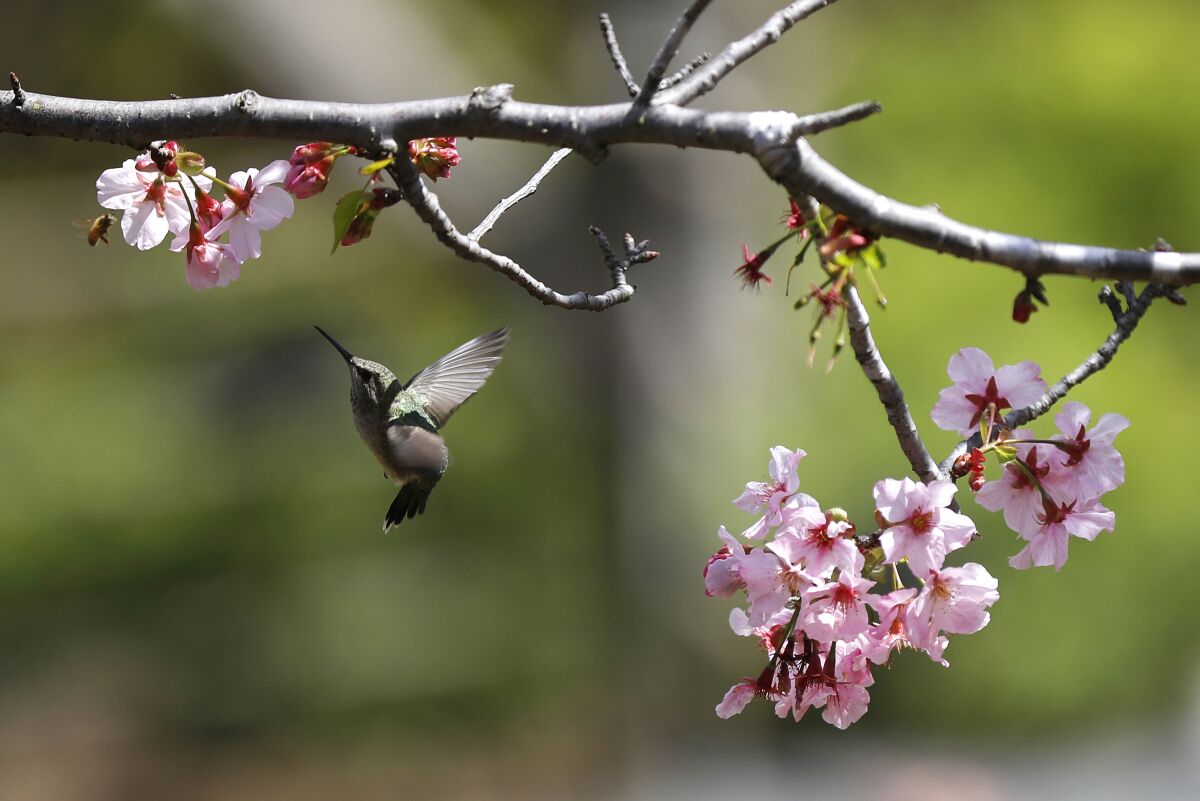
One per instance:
(737, 698)
(837, 610)
(1015, 492)
(769, 497)
(920, 526)
(1084, 518)
(253, 205)
(977, 384)
(824, 540)
(721, 575)
(209, 263)
(1095, 465)
(153, 205)
(772, 579)
(891, 632)
(954, 600)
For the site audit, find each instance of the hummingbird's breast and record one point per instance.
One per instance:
(407, 453)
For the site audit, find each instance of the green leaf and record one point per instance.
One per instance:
(376, 166)
(872, 256)
(343, 215)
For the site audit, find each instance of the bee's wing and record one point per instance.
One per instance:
(448, 382)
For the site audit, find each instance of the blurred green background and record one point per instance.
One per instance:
(196, 601)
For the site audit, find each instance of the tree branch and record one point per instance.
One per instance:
(525, 191)
(1094, 363)
(426, 205)
(668, 51)
(768, 136)
(618, 59)
(887, 388)
(706, 79)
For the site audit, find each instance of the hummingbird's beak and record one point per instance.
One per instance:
(347, 355)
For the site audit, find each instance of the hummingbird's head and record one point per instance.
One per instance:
(369, 381)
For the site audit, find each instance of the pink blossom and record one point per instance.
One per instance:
(772, 580)
(977, 384)
(153, 204)
(822, 541)
(769, 497)
(1015, 492)
(721, 575)
(209, 263)
(891, 633)
(768, 634)
(1095, 466)
(1084, 518)
(921, 527)
(253, 205)
(737, 698)
(837, 610)
(953, 600)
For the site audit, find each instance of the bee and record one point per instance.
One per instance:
(97, 229)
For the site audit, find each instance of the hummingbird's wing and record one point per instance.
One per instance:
(447, 383)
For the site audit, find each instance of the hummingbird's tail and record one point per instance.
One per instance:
(410, 502)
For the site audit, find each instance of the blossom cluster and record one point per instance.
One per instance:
(827, 603)
(165, 190)
(1048, 489)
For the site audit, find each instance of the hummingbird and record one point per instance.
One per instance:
(401, 423)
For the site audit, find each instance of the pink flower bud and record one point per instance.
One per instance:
(434, 156)
(305, 179)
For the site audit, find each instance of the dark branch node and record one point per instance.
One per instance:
(490, 98)
(18, 92)
(246, 101)
(1110, 299)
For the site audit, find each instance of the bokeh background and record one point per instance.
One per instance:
(195, 598)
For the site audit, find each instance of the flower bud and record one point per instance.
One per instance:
(434, 156)
(190, 162)
(306, 179)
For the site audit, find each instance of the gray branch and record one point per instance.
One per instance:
(1094, 363)
(668, 51)
(618, 59)
(887, 388)
(772, 138)
(426, 205)
(525, 191)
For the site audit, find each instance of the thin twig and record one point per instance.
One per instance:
(705, 80)
(1094, 363)
(614, 52)
(425, 203)
(670, 47)
(825, 120)
(525, 191)
(887, 388)
(684, 71)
